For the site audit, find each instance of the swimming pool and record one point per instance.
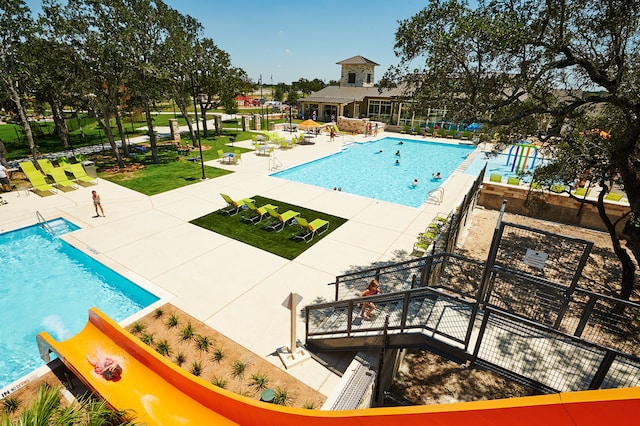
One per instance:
(370, 169)
(48, 285)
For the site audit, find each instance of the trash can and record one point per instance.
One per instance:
(90, 168)
(272, 125)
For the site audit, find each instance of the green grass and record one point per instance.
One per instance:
(282, 243)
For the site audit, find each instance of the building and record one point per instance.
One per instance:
(357, 97)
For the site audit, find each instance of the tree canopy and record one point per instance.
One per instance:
(554, 71)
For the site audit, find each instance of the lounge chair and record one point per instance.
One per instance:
(495, 177)
(233, 207)
(535, 185)
(424, 241)
(36, 178)
(64, 163)
(310, 229)
(581, 192)
(558, 188)
(256, 214)
(46, 165)
(511, 180)
(614, 196)
(80, 158)
(60, 178)
(278, 221)
(80, 174)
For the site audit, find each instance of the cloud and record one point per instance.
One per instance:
(281, 33)
(288, 52)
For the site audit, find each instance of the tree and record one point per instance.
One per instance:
(15, 26)
(538, 68)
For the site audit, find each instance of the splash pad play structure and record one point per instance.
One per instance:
(161, 393)
(518, 159)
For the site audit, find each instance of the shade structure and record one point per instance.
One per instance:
(473, 127)
(307, 124)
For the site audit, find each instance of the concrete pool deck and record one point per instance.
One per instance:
(232, 287)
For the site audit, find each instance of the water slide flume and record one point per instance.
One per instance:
(161, 393)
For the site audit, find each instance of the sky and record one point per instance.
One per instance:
(285, 40)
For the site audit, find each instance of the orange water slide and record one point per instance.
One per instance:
(161, 393)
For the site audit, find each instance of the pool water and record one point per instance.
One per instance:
(370, 169)
(48, 285)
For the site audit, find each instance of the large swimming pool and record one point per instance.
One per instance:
(48, 285)
(372, 169)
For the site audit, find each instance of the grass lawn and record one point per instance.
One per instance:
(282, 243)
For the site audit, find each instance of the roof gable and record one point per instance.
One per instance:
(357, 60)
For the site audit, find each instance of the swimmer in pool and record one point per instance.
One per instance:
(436, 175)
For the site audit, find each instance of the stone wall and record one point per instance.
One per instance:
(361, 72)
(357, 125)
(549, 206)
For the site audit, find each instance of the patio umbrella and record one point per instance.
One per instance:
(307, 124)
(474, 127)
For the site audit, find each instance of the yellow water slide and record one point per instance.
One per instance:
(161, 393)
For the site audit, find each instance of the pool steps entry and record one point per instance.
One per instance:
(45, 225)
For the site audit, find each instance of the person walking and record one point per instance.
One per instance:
(372, 289)
(97, 203)
(4, 179)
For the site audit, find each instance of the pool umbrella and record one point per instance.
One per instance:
(307, 124)
(473, 127)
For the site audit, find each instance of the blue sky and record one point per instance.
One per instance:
(287, 40)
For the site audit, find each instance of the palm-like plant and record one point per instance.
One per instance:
(163, 347)
(259, 380)
(172, 321)
(187, 332)
(203, 343)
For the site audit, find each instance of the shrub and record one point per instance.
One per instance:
(147, 339)
(187, 332)
(238, 368)
(180, 359)
(259, 380)
(163, 347)
(219, 382)
(203, 343)
(281, 396)
(10, 404)
(158, 313)
(196, 368)
(172, 321)
(137, 328)
(309, 405)
(218, 355)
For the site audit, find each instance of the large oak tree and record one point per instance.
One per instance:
(549, 69)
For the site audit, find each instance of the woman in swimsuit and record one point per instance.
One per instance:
(372, 289)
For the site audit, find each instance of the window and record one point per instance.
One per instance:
(379, 110)
(368, 78)
(352, 77)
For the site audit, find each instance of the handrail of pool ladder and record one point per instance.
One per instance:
(436, 195)
(43, 223)
(274, 163)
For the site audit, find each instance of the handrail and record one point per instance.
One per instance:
(45, 225)
(439, 195)
(274, 163)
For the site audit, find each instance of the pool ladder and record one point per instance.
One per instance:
(436, 195)
(274, 163)
(45, 225)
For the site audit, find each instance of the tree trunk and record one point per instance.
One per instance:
(152, 135)
(106, 126)
(15, 97)
(182, 106)
(628, 266)
(203, 117)
(123, 137)
(60, 124)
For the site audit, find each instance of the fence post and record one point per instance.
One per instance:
(585, 316)
(483, 326)
(483, 294)
(337, 285)
(604, 367)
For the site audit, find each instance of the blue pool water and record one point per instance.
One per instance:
(48, 285)
(361, 169)
(503, 165)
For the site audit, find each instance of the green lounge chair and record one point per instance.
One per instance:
(256, 214)
(558, 188)
(424, 241)
(80, 158)
(614, 196)
(46, 165)
(535, 185)
(36, 178)
(278, 221)
(581, 192)
(81, 175)
(233, 207)
(495, 177)
(64, 163)
(513, 180)
(60, 178)
(310, 229)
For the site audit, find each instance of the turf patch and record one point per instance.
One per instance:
(279, 243)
